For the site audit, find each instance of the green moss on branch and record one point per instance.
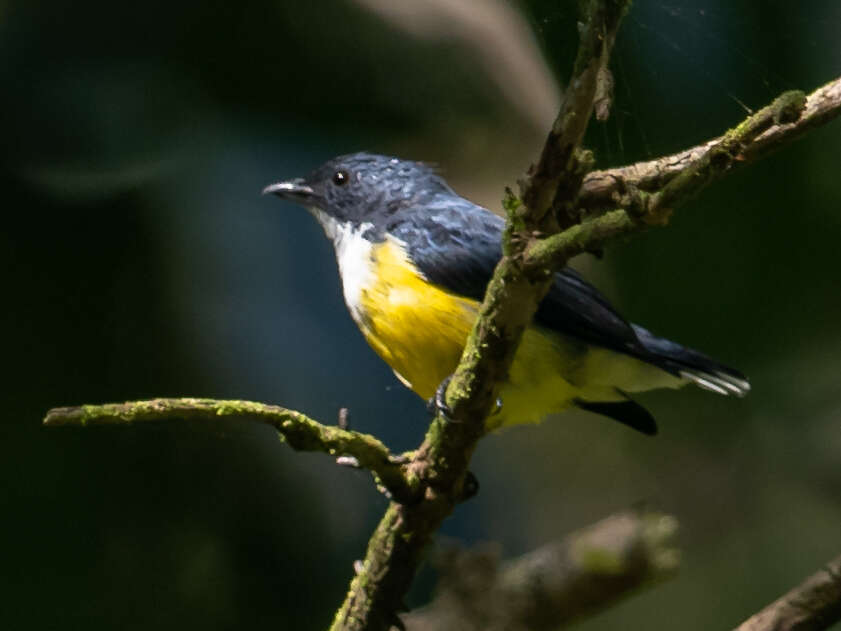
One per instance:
(643, 209)
(793, 116)
(299, 431)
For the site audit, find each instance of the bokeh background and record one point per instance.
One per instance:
(139, 260)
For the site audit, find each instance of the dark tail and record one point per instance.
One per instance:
(628, 412)
(692, 365)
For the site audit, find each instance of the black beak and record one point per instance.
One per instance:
(291, 190)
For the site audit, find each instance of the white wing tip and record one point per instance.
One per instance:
(718, 382)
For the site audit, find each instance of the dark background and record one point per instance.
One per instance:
(139, 260)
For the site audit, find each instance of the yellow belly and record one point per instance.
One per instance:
(420, 331)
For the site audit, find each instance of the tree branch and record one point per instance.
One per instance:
(813, 605)
(643, 209)
(555, 180)
(549, 587)
(395, 550)
(607, 188)
(299, 431)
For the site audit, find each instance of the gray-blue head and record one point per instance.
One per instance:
(361, 188)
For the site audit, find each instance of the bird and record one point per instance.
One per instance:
(415, 258)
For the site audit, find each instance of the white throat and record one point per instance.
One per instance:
(353, 253)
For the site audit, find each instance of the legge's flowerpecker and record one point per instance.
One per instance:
(415, 257)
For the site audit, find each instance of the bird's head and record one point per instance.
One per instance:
(361, 188)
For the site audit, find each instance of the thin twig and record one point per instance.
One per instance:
(643, 209)
(297, 430)
(607, 188)
(554, 181)
(813, 605)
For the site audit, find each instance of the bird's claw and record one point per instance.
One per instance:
(469, 488)
(437, 404)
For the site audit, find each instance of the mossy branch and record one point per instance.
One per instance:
(610, 188)
(299, 431)
(643, 209)
(554, 181)
(814, 605)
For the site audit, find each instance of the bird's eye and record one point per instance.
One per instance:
(340, 178)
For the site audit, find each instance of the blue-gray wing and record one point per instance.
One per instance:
(456, 245)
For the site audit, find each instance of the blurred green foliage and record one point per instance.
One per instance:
(139, 260)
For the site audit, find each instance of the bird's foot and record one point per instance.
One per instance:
(437, 404)
(469, 488)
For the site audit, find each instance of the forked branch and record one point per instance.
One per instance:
(396, 548)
